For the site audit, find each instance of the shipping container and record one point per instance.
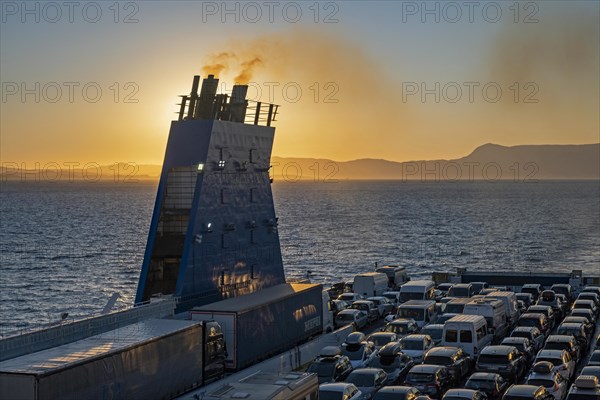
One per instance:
(151, 359)
(261, 324)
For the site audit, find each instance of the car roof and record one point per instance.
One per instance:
(525, 329)
(559, 338)
(550, 353)
(512, 339)
(349, 311)
(443, 351)
(532, 315)
(395, 389)
(426, 368)
(366, 371)
(484, 375)
(497, 349)
(399, 321)
(384, 334)
(415, 336)
(434, 326)
(335, 387)
(461, 392)
(523, 390)
(574, 325)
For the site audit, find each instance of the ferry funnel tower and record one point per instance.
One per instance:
(214, 233)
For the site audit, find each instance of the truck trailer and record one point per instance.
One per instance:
(151, 359)
(261, 324)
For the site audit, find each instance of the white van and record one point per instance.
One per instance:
(510, 303)
(417, 290)
(370, 284)
(396, 275)
(493, 311)
(469, 332)
(422, 311)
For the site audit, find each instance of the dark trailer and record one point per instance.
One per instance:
(259, 325)
(152, 359)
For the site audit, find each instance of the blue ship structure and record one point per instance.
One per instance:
(214, 232)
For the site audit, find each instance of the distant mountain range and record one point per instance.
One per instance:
(487, 162)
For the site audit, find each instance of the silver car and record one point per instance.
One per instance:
(561, 361)
(368, 380)
(543, 374)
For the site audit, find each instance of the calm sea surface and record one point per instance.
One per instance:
(66, 247)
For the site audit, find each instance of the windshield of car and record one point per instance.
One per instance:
(434, 333)
(528, 322)
(397, 328)
(416, 377)
(438, 360)
(353, 352)
(493, 359)
(548, 383)
(347, 296)
(322, 370)
(458, 292)
(330, 395)
(362, 380)
(411, 313)
(595, 356)
(521, 334)
(345, 317)
(412, 344)
(480, 384)
(568, 331)
(406, 296)
(454, 308)
(390, 296)
(379, 340)
(557, 346)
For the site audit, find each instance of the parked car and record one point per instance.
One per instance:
(594, 359)
(464, 394)
(591, 370)
(585, 387)
(338, 305)
(537, 320)
(339, 391)
(368, 380)
(527, 392)
(401, 327)
(532, 333)
(393, 296)
(357, 349)
(535, 289)
(368, 307)
(416, 345)
(590, 296)
(564, 342)
(585, 313)
(523, 345)
(492, 384)
(445, 317)
(543, 374)
(350, 297)
(504, 360)
(460, 290)
(550, 299)
(575, 330)
(350, 316)
(526, 298)
(458, 363)
(432, 380)
(564, 289)
(435, 331)
(444, 287)
(586, 305)
(380, 339)
(330, 365)
(588, 327)
(561, 360)
(397, 393)
(384, 305)
(478, 286)
(395, 363)
(547, 311)
(592, 289)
